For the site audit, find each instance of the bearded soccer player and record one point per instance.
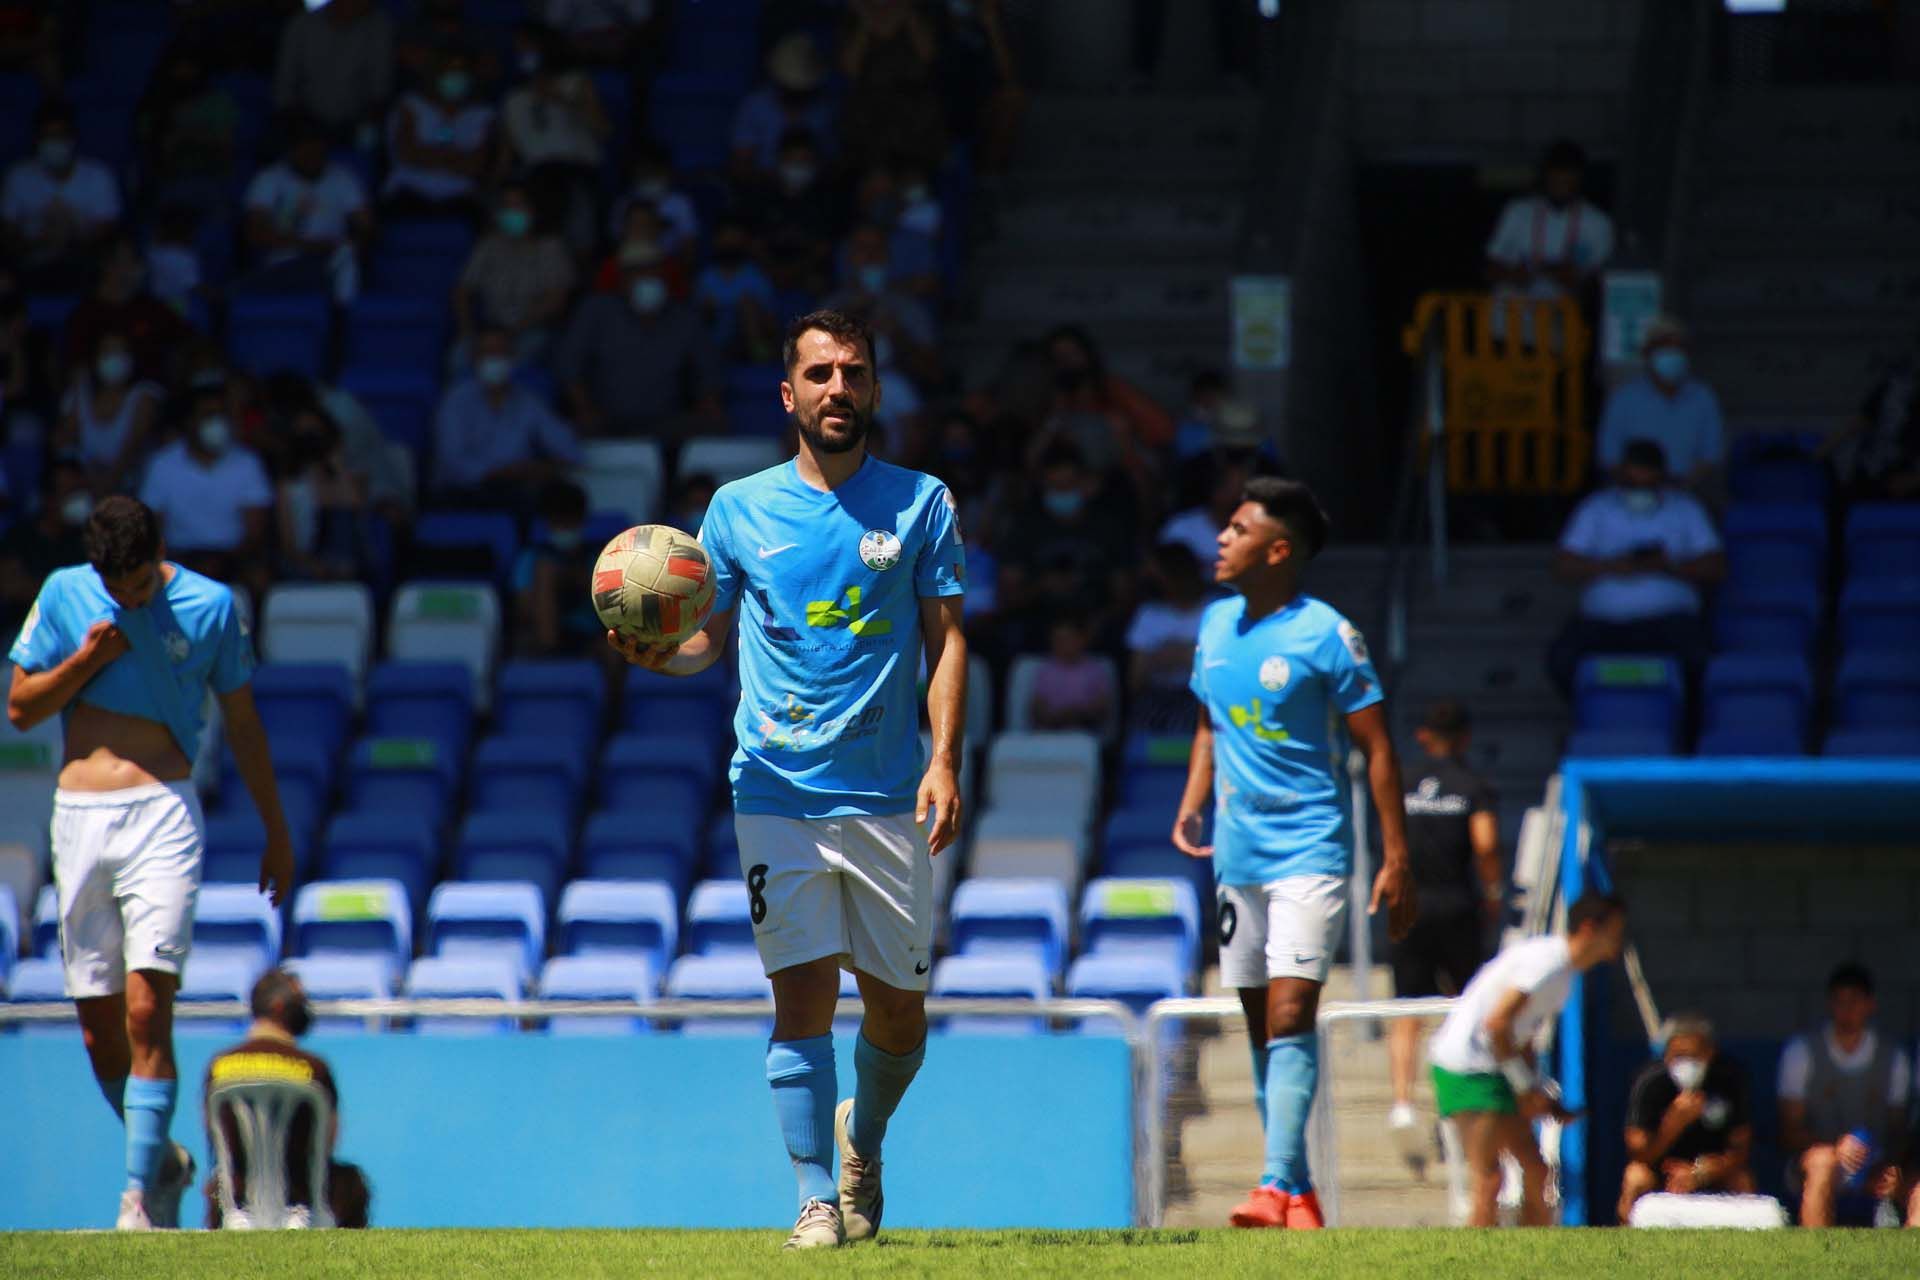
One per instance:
(1284, 684)
(842, 568)
(124, 648)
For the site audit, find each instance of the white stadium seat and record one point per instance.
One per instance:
(1020, 682)
(320, 622)
(625, 476)
(728, 458)
(29, 764)
(449, 622)
(1011, 844)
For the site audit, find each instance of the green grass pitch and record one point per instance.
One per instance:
(603, 1255)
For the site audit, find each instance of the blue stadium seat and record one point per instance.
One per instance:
(338, 977)
(620, 846)
(1012, 917)
(42, 981)
(235, 841)
(1605, 744)
(562, 698)
(649, 708)
(382, 845)
(298, 763)
(1629, 692)
(267, 333)
(396, 331)
(217, 979)
(1883, 542)
(9, 932)
(50, 311)
(668, 799)
(402, 402)
(1756, 704)
(309, 702)
(495, 918)
(420, 257)
(497, 531)
(1156, 917)
(707, 43)
(236, 920)
(1877, 690)
(721, 853)
(1881, 616)
(467, 977)
(401, 775)
(410, 698)
(1159, 860)
(515, 846)
(1153, 787)
(1134, 978)
(599, 978)
(621, 918)
(1773, 543)
(692, 115)
(1776, 467)
(46, 923)
(666, 753)
(354, 918)
(719, 919)
(536, 775)
(1138, 824)
(732, 976)
(1781, 619)
(1888, 742)
(997, 976)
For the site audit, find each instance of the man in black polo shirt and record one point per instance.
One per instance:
(1453, 838)
(1688, 1124)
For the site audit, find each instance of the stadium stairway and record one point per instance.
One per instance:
(1802, 247)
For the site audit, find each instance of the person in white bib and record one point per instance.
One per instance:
(1550, 244)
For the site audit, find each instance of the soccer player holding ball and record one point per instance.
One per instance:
(842, 568)
(124, 648)
(1284, 683)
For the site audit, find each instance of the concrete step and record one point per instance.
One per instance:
(1807, 372)
(1804, 289)
(1779, 217)
(1188, 294)
(1161, 225)
(1165, 135)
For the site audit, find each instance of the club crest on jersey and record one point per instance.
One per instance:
(879, 550)
(1274, 673)
(1356, 646)
(177, 646)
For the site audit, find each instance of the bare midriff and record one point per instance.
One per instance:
(108, 751)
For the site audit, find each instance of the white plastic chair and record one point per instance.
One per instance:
(623, 475)
(321, 622)
(1021, 678)
(264, 1113)
(449, 622)
(728, 458)
(29, 765)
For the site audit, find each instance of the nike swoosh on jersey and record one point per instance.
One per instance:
(767, 553)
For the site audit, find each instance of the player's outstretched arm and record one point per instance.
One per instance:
(248, 738)
(939, 797)
(35, 695)
(1393, 886)
(701, 649)
(1192, 818)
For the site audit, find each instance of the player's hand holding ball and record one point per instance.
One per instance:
(653, 588)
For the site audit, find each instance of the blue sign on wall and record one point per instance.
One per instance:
(647, 1130)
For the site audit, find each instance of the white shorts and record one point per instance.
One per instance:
(127, 869)
(858, 888)
(1281, 929)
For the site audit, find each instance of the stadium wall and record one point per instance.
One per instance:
(664, 1130)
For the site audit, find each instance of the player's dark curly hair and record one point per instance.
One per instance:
(1293, 505)
(851, 330)
(122, 535)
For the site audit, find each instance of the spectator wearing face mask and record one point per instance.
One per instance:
(107, 416)
(652, 182)
(792, 98)
(555, 132)
(890, 52)
(1689, 1121)
(1110, 418)
(189, 129)
(439, 142)
(121, 303)
(1197, 528)
(336, 66)
(1161, 637)
(1669, 406)
(735, 297)
(637, 363)
(799, 211)
(495, 442)
(32, 549)
(902, 321)
(643, 241)
(1641, 551)
(320, 503)
(1876, 456)
(517, 279)
(57, 205)
(212, 496)
(1552, 243)
(307, 218)
(554, 610)
(1070, 546)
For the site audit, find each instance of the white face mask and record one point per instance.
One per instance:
(1640, 501)
(494, 370)
(114, 368)
(77, 508)
(649, 294)
(564, 539)
(1688, 1074)
(215, 434)
(872, 278)
(56, 153)
(796, 177)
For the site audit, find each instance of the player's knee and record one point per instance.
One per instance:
(1289, 1013)
(149, 1019)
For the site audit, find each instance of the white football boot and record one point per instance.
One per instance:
(818, 1228)
(861, 1200)
(133, 1212)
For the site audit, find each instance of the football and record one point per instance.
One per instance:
(654, 584)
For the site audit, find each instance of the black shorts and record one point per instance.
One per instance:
(1438, 957)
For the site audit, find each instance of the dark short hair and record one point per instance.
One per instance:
(1564, 153)
(1293, 505)
(275, 996)
(121, 536)
(53, 111)
(1594, 909)
(1641, 452)
(1447, 718)
(1062, 453)
(1850, 976)
(836, 324)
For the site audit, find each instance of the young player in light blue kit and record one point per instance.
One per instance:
(840, 568)
(124, 649)
(1284, 682)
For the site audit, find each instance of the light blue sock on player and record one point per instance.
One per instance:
(881, 1079)
(115, 1092)
(801, 1073)
(149, 1111)
(1293, 1073)
(1260, 1082)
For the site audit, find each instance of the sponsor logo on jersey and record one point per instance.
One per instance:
(794, 727)
(1252, 718)
(845, 612)
(177, 646)
(954, 508)
(1356, 644)
(26, 628)
(879, 550)
(1274, 674)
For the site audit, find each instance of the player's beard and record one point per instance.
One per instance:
(822, 439)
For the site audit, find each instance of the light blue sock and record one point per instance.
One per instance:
(880, 1079)
(149, 1111)
(802, 1076)
(1260, 1082)
(115, 1092)
(1293, 1073)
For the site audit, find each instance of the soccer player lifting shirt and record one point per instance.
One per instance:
(1284, 682)
(840, 566)
(125, 648)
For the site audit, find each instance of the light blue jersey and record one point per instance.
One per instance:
(1278, 692)
(829, 588)
(187, 638)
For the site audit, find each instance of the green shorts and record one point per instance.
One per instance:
(1479, 1091)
